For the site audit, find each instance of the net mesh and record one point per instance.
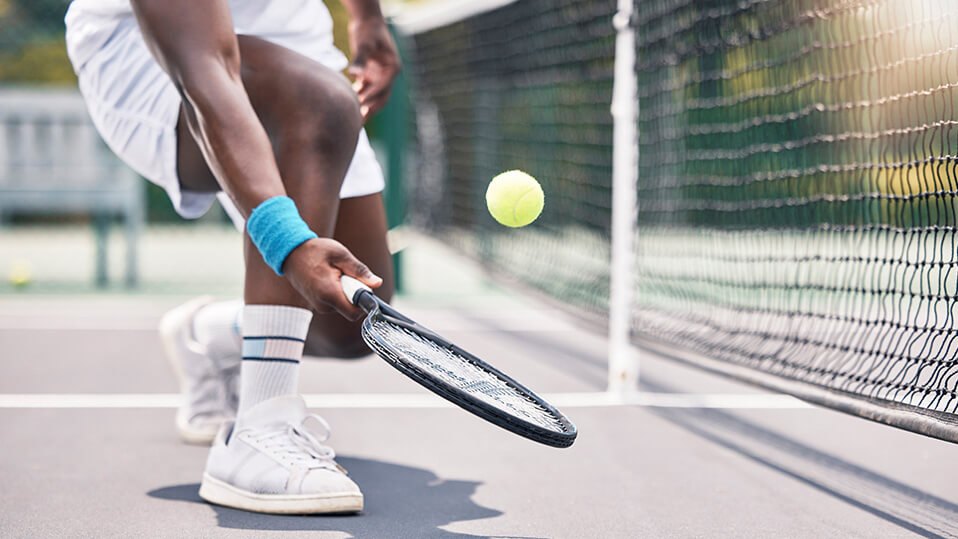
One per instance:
(796, 177)
(526, 86)
(455, 370)
(797, 190)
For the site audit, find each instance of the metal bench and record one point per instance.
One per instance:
(53, 162)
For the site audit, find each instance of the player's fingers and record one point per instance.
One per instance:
(350, 265)
(360, 80)
(374, 76)
(375, 102)
(336, 298)
(367, 89)
(373, 93)
(374, 98)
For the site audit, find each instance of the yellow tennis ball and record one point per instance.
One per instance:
(514, 198)
(20, 273)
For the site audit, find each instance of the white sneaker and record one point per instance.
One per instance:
(208, 386)
(271, 462)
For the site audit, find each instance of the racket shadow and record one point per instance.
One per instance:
(401, 501)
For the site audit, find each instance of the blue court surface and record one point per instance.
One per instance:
(89, 449)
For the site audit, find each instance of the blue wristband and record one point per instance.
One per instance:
(276, 229)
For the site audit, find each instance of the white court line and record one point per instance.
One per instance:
(114, 323)
(416, 400)
(43, 323)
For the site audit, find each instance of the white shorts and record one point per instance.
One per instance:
(135, 106)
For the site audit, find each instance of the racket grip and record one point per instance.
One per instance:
(352, 288)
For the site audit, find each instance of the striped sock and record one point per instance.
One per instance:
(273, 337)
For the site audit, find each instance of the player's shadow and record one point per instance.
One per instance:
(400, 501)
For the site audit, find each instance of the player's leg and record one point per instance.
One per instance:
(312, 117)
(309, 112)
(201, 340)
(361, 224)
(202, 337)
(361, 227)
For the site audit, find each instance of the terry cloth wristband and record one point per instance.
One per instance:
(276, 229)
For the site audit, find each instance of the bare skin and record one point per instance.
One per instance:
(258, 121)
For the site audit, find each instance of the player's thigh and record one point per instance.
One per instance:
(361, 227)
(285, 88)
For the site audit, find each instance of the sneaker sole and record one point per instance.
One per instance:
(221, 493)
(193, 435)
(169, 328)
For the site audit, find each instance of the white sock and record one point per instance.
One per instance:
(273, 337)
(217, 327)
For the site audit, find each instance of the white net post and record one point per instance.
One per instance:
(623, 359)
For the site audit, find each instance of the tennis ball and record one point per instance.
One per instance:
(514, 198)
(20, 273)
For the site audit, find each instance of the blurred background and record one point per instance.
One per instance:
(545, 111)
(103, 231)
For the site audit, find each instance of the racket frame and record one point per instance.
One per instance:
(377, 308)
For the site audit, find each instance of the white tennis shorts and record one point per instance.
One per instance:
(135, 106)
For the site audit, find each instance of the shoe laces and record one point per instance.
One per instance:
(300, 446)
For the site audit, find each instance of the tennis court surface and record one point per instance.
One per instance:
(89, 449)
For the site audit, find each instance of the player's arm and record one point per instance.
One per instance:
(375, 60)
(195, 44)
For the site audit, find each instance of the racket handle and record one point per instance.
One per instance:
(353, 288)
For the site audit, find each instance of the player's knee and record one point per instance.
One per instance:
(328, 112)
(345, 345)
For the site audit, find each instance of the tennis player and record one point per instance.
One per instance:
(244, 101)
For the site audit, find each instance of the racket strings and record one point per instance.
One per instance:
(458, 371)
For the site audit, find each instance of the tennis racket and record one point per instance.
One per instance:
(454, 374)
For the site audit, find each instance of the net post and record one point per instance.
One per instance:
(623, 361)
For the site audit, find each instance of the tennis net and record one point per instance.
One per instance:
(525, 86)
(797, 195)
(796, 223)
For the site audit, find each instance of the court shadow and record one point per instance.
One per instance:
(917, 511)
(401, 501)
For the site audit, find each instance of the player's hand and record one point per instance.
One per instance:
(314, 268)
(375, 63)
